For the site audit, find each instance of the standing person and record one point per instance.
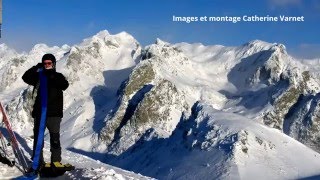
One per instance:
(55, 84)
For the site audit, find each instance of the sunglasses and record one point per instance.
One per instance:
(47, 63)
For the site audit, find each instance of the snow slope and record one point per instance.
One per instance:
(220, 145)
(86, 168)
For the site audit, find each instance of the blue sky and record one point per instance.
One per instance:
(58, 22)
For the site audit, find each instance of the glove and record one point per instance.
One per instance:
(50, 73)
(39, 66)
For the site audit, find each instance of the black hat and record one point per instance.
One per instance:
(49, 57)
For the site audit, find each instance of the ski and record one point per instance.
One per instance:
(14, 142)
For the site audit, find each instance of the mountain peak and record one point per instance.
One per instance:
(257, 41)
(161, 42)
(39, 49)
(279, 47)
(125, 34)
(104, 38)
(39, 46)
(102, 34)
(3, 46)
(4, 49)
(257, 44)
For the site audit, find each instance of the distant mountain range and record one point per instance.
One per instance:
(180, 110)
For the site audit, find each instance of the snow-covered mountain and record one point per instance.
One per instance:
(180, 110)
(213, 144)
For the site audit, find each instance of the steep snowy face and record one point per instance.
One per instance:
(258, 80)
(148, 100)
(302, 121)
(9, 60)
(299, 82)
(6, 54)
(95, 69)
(251, 148)
(220, 145)
(266, 82)
(235, 71)
(100, 53)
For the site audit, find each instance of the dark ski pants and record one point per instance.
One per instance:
(53, 125)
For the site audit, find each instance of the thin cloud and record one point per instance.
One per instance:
(306, 51)
(284, 3)
(91, 25)
(316, 5)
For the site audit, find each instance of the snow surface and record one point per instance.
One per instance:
(222, 145)
(86, 168)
